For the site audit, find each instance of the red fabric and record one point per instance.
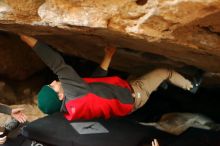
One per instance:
(92, 106)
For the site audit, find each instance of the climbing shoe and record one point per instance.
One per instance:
(196, 81)
(164, 85)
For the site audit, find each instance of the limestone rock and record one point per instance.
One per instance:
(152, 33)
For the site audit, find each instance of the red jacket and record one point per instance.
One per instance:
(93, 106)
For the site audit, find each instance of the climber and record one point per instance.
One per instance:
(18, 117)
(94, 97)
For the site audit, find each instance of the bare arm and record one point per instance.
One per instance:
(102, 70)
(109, 53)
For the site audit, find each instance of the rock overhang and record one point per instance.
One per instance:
(157, 33)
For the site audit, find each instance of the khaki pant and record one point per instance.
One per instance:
(149, 82)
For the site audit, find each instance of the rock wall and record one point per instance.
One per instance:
(148, 33)
(17, 61)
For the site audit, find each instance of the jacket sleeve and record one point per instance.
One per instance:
(71, 82)
(5, 109)
(99, 72)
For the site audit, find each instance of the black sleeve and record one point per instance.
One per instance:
(5, 109)
(99, 72)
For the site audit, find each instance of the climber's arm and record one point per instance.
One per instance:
(102, 70)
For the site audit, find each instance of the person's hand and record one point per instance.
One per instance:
(28, 39)
(110, 51)
(22, 36)
(2, 139)
(19, 115)
(155, 142)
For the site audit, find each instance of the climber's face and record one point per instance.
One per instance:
(57, 87)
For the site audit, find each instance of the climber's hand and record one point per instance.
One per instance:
(155, 142)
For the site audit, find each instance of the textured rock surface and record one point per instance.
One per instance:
(16, 59)
(156, 33)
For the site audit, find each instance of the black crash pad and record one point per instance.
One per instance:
(56, 130)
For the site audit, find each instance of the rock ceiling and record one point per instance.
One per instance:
(148, 33)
